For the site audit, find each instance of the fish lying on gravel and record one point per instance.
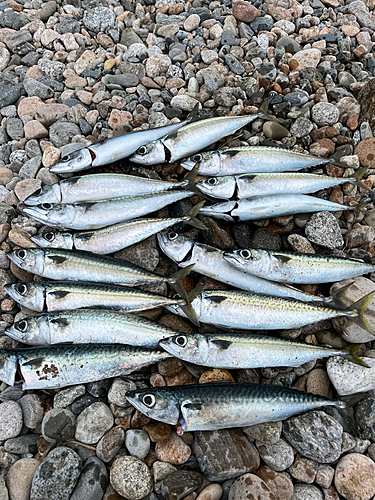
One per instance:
(62, 295)
(208, 407)
(61, 366)
(88, 326)
(210, 261)
(113, 149)
(250, 185)
(193, 137)
(98, 187)
(250, 311)
(114, 238)
(235, 351)
(253, 160)
(288, 267)
(264, 207)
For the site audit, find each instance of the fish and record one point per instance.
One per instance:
(288, 267)
(114, 238)
(113, 149)
(65, 365)
(88, 326)
(251, 311)
(264, 207)
(251, 185)
(222, 405)
(68, 295)
(193, 137)
(238, 351)
(254, 160)
(211, 262)
(97, 187)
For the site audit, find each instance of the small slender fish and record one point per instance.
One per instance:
(250, 185)
(254, 160)
(288, 267)
(88, 326)
(222, 405)
(263, 207)
(250, 311)
(67, 295)
(193, 137)
(98, 187)
(114, 238)
(210, 261)
(61, 366)
(113, 149)
(235, 351)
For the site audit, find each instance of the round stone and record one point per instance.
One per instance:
(324, 114)
(355, 477)
(110, 444)
(275, 131)
(11, 420)
(174, 450)
(131, 478)
(366, 152)
(138, 443)
(93, 423)
(192, 22)
(211, 492)
(92, 482)
(20, 476)
(99, 19)
(280, 485)
(279, 456)
(324, 230)
(250, 486)
(307, 492)
(58, 425)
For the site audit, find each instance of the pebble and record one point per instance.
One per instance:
(348, 378)
(109, 445)
(99, 19)
(92, 482)
(19, 478)
(324, 114)
(324, 230)
(275, 131)
(250, 486)
(244, 11)
(137, 443)
(178, 484)
(66, 397)
(131, 478)
(355, 477)
(307, 492)
(93, 422)
(11, 420)
(211, 492)
(268, 432)
(32, 408)
(280, 485)
(174, 450)
(58, 425)
(278, 456)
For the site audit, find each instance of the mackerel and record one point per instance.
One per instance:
(221, 405)
(88, 326)
(288, 267)
(235, 351)
(61, 366)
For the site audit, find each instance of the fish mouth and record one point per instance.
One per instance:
(232, 258)
(187, 164)
(187, 259)
(13, 334)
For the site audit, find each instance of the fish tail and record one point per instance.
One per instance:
(194, 114)
(334, 298)
(357, 176)
(193, 294)
(191, 216)
(263, 112)
(356, 312)
(189, 180)
(349, 354)
(188, 308)
(359, 207)
(345, 406)
(175, 281)
(336, 157)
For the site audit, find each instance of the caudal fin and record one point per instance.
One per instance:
(356, 313)
(359, 207)
(351, 349)
(175, 281)
(191, 216)
(334, 298)
(263, 112)
(189, 180)
(335, 159)
(357, 176)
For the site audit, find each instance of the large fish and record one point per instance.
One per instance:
(250, 185)
(112, 149)
(61, 366)
(88, 326)
(114, 238)
(193, 137)
(253, 160)
(208, 407)
(234, 351)
(210, 261)
(288, 267)
(263, 207)
(67, 295)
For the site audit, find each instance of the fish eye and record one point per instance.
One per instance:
(49, 236)
(21, 288)
(46, 206)
(22, 325)
(172, 236)
(175, 296)
(148, 400)
(181, 340)
(142, 150)
(65, 159)
(245, 254)
(212, 181)
(21, 254)
(39, 192)
(197, 158)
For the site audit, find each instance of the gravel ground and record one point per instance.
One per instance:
(74, 73)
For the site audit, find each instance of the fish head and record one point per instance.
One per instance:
(244, 258)
(176, 247)
(53, 239)
(73, 162)
(33, 330)
(156, 403)
(209, 163)
(55, 215)
(47, 194)
(220, 210)
(30, 295)
(192, 348)
(29, 259)
(218, 187)
(150, 154)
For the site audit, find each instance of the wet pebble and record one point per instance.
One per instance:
(278, 456)
(174, 450)
(179, 484)
(19, 478)
(92, 482)
(137, 443)
(11, 420)
(93, 423)
(131, 478)
(58, 425)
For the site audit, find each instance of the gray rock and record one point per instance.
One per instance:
(66, 397)
(129, 36)
(69, 25)
(131, 478)
(262, 23)
(315, 435)
(57, 476)
(22, 444)
(229, 38)
(267, 70)
(10, 420)
(61, 133)
(365, 418)
(6, 213)
(304, 491)
(32, 410)
(93, 423)
(301, 127)
(11, 394)
(15, 41)
(15, 128)
(324, 230)
(38, 89)
(110, 444)
(269, 432)
(160, 470)
(180, 483)
(52, 69)
(325, 114)
(58, 425)
(289, 44)
(266, 239)
(9, 92)
(240, 457)
(4, 495)
(47, 10)
(99, 388)
(138, 443)
(278, 456)
(92, 482)
(118, 389)
(214, 78)
(364, 18)
(30, 168)
(234, 65)
(125, 80)
(99, 19)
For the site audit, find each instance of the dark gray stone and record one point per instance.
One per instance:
(289, 44)
(229, 38)
(58, 425)
(52, 69)
(262, 23)
(35, 88)
(15, 128)
(69, 25)
(30, 168)
(22, 444)
(266, 239)
(9, 92)
(92, 482)
(365, 418)
(61, 133)
(16, 41)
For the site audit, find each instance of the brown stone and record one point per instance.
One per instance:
(35, 130)
(349, 30)
(355, 477)
(170, 367)
(250, 487)
(29, 106)
(366, 152)
(215, 375)
(323, 147)
(118, 118)
(172, 450)
(182, 378)
(352, 122)
(21, 238)
(26, 187)
(47, 114)
(176, 323)
(244, 11)
(158, 432)
(281, 486)
(318, 382)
